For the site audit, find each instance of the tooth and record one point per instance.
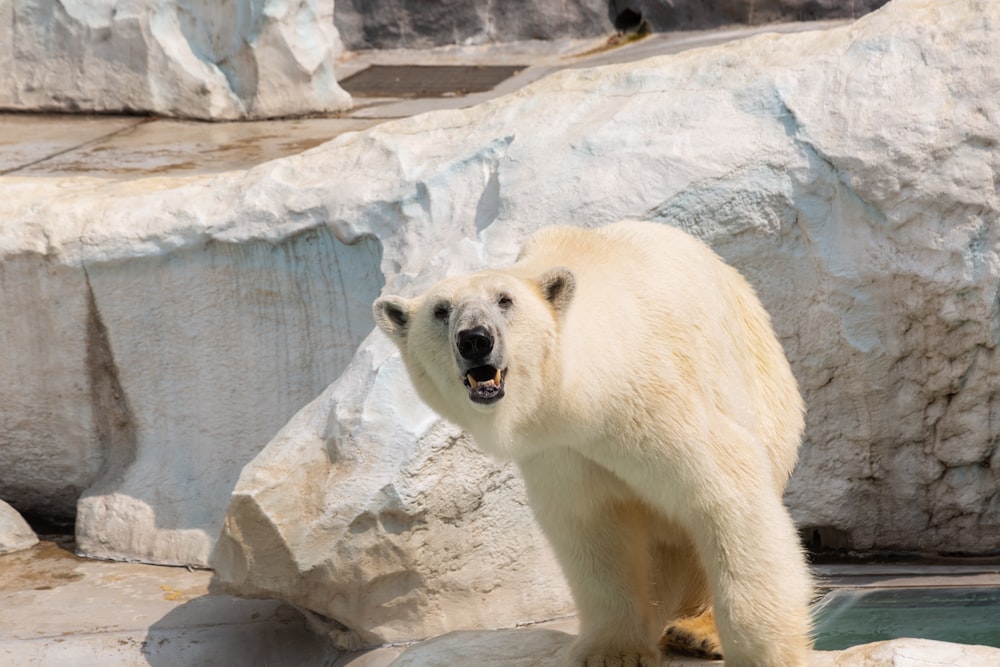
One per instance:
(472, 381)
(497, 379)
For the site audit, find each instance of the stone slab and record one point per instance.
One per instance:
(58, 609)
(37, 145)
(26, 139)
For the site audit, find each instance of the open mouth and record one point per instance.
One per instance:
(485, 383)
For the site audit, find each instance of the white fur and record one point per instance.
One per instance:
(655, 420)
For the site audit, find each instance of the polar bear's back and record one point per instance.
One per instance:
(655, 307)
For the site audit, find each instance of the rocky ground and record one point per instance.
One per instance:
(59, 609)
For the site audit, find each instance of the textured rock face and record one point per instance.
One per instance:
(214, 346)
(226, 60)
(904, 408)
(148, 369)
(50, 450)
(421, 23)
(850, 174)
(15, 533)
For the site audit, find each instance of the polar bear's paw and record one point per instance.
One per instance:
(617, 659)
(695, 636)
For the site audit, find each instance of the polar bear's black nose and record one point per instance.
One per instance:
(475, 343)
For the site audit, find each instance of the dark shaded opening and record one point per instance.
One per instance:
(48, 526)
(427, 80)
(628, 21)
(825, 540)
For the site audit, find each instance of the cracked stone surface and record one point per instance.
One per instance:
(215, 61)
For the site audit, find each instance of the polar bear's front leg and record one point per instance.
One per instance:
(600, 538)
(760, 583)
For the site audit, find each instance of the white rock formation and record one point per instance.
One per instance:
(232, 60)
(170, 328)
(15, 533)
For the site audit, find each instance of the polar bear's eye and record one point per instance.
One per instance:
(441, 312)
(504, 301)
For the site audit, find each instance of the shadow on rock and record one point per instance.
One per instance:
(496, 648)
(224, 630)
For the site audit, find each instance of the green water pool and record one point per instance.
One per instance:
(846, 618)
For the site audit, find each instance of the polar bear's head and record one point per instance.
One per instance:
(480, 344)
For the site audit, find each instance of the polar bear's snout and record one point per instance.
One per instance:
(481, 362)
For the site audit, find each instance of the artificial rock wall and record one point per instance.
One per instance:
(383, 24)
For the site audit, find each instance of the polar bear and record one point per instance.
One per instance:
(635, 380)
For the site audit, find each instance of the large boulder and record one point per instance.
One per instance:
(218, 60)
(15, 533)
(385, 522)
(850, 174)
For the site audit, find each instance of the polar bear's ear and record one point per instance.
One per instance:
(558, 286)
(392, 315)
